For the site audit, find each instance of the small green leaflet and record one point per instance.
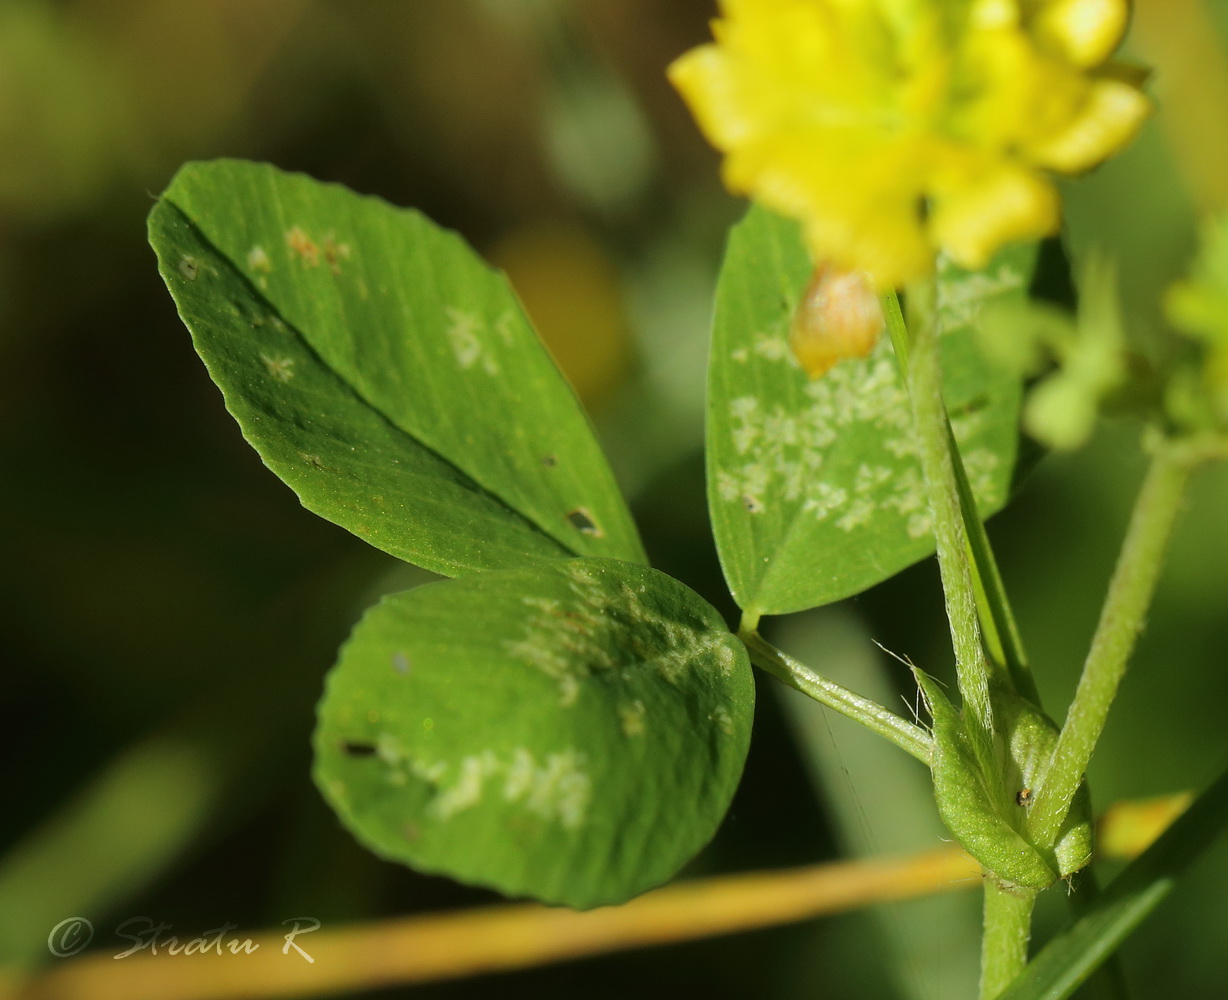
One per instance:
(573, 731)
(384, 372)
(813, 486)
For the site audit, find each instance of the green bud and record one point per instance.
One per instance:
(983, 786)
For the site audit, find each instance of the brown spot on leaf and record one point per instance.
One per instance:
(302, 246)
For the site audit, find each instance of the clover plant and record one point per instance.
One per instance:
(558, 720)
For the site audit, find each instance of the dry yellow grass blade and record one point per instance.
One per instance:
(421, 949)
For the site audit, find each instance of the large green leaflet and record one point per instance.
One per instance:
(813, 485)
(384, 372)
(572, 731)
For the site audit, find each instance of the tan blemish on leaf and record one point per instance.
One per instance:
(335, 253)
(189, 267)
(302, 246)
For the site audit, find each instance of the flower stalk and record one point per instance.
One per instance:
(1007, 910)
(933, 446)
(998, 627)
(1122, 618)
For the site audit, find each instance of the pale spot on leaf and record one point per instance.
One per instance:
(258, 260)
(631, 718)
(280, 369)
(467, 347)
(595, 632)
(557, 789)
(723, 720)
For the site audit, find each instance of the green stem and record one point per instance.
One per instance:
(897, 329)
(1004, 945)
(1121, 620)
(933, 446)
(998, 625)
(997, 620)
(873, 716)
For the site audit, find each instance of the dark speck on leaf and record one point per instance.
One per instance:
(358, 749)
(583, 522)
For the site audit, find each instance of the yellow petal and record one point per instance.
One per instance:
(889, 244)
(703, 78)
(978, 215)
(858, 197)
(856, 116)
(1085, 31)
(1111, 114)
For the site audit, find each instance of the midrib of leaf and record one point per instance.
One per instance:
(428, 273)
(470, 481)
(425, 267)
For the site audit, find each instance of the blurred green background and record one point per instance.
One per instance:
(168, 610)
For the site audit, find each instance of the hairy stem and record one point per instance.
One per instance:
(999, 630)
(933, 446)
(1004, 946)
(873, 716)
(1121, 620)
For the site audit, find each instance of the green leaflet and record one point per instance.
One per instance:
(985, 807)
(813, 486)
(384, 372)
(573, 731)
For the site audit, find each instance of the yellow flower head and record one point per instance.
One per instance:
(895, 128)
